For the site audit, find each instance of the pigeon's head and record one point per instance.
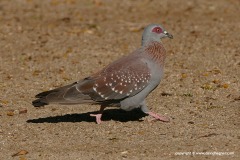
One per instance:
(154, 32)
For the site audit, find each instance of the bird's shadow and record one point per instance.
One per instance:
(110, 114)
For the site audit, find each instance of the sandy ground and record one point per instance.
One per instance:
(46, 44)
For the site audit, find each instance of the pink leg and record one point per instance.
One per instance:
(99, 115)
(158, 117)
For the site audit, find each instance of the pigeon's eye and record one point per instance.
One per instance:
(157, 30)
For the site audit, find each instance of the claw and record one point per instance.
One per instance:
(158, 117)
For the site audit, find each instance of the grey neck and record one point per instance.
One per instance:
(146, 40)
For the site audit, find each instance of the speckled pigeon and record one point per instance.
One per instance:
(124, 83)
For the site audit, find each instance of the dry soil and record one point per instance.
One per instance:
(50, 43)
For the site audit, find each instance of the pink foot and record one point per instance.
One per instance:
(98, 117)
(158, 117)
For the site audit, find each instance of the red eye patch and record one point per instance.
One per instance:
(157, 30)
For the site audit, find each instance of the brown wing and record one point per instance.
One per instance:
(125, 77)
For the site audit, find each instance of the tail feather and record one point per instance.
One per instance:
(44, 94)
(39, 103)
(69, 94)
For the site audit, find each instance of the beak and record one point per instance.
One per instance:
(168, 34)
